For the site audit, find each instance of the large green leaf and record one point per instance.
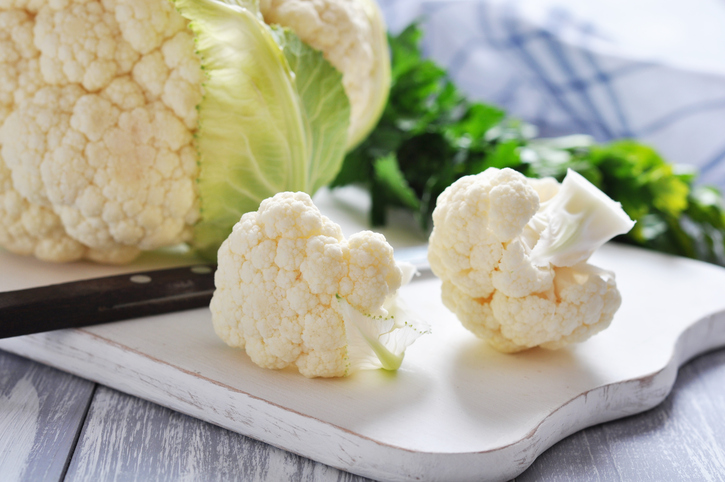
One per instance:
(325, 107)
(274, 115)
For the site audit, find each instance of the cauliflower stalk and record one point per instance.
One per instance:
(511, 253)
(291, 290)
(126, 125)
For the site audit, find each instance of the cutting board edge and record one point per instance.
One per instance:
(631, 397)
(107, 362)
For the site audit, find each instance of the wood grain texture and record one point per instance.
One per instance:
(126, 438)
(457, 410)
(41, 413)
(681, 439)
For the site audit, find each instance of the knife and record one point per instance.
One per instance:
(100, 300)
(121, 297)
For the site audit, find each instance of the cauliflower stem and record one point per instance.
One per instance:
(384, 335)
(575, 223)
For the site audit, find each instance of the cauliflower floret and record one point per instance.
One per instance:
(27, 227)
(19, 66)
(352, 37)
(288, 284)
(485, 230)
(31, 229)
(473, 225)
(97, 116)
(79, 44)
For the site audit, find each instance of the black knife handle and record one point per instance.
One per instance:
(100, 300)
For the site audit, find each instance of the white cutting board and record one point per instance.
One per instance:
(456, 410)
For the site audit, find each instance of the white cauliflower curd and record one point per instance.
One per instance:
(98, 114)
(291, 290)
(99, 110)
(511, 253)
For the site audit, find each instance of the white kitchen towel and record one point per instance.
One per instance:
(647, 69)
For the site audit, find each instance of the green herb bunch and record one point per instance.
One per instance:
(430, 135)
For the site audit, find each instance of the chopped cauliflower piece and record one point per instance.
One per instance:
(512, 252)
(291, 290)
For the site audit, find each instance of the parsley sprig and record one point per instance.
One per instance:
(431, 134)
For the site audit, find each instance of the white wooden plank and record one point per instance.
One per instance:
(125, 438)
(681, 439)
(41, 413)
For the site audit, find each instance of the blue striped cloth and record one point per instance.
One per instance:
(657, 76)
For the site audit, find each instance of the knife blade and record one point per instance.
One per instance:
(101, 300)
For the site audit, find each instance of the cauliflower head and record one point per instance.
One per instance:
(291, 290)
(483, 248)
(98, 113)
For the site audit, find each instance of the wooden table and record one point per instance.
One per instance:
(55, 426)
